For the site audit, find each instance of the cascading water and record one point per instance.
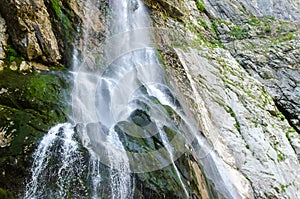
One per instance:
(101, 99)
(58, 165)
(126, 99)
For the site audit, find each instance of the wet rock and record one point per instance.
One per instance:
(1, 65)
(247, 128)
(140, 117)
(30, 105)
(169, 6)
(6, 194)
(240, 115)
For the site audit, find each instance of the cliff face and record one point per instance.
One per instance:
(242, 70)
(235, 62)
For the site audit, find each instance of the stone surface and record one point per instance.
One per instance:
(3, 38)
(255, 142)
(244, 80)
(29, 105)
(31, 30)
(238, 10)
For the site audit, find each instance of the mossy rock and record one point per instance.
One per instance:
(29, 105)
(140, 117)
(65, 22)
(4, 194)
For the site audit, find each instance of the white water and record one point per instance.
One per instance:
(60, 146)
(100, 96)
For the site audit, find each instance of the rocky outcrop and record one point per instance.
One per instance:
(30, 30)
(239, 10)
(30, 104)
(242, 70)
(3, 42)
(30, 95)
(268, 49)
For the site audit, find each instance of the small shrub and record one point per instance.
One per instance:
(239, 33)
(268, 29)
(203, 24)
(214, 27)
(200, 5)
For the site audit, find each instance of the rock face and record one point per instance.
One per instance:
(242, 69)
(240, 9)
(3, 39)
(30, 95)
(30, 30)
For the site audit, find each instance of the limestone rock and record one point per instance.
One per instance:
(24, 66)
(3, 38)
(244, 89)
(5, 137)
(169, 6)
(238, 10)
(1, 65)
(255, 141)
(31, 30)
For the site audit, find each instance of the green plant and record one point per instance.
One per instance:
(214, 27)
(238, 32)
(13, 55)
(203, 24)
(200, 5)
(288, 37)
(280, 157)
(217, 43)
(268, 29)
(232, 114)
(283, 188)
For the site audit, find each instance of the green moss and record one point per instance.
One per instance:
(34, 102)
(13, 55)
(30, 106)
(232, 114)
(287, 37)
(4, 194)
(268, 29)
(65, 24)
(56, 7)
(217, 43)
(280, 157)
(238, 32)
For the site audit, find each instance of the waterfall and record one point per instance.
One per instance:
(124, 97)
(57, 163)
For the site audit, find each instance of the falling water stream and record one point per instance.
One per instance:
(126, 94)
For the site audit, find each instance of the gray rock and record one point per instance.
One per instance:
(251, 135)
(3, 38)
(237, 9)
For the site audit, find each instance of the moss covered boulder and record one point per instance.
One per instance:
(29, 105)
